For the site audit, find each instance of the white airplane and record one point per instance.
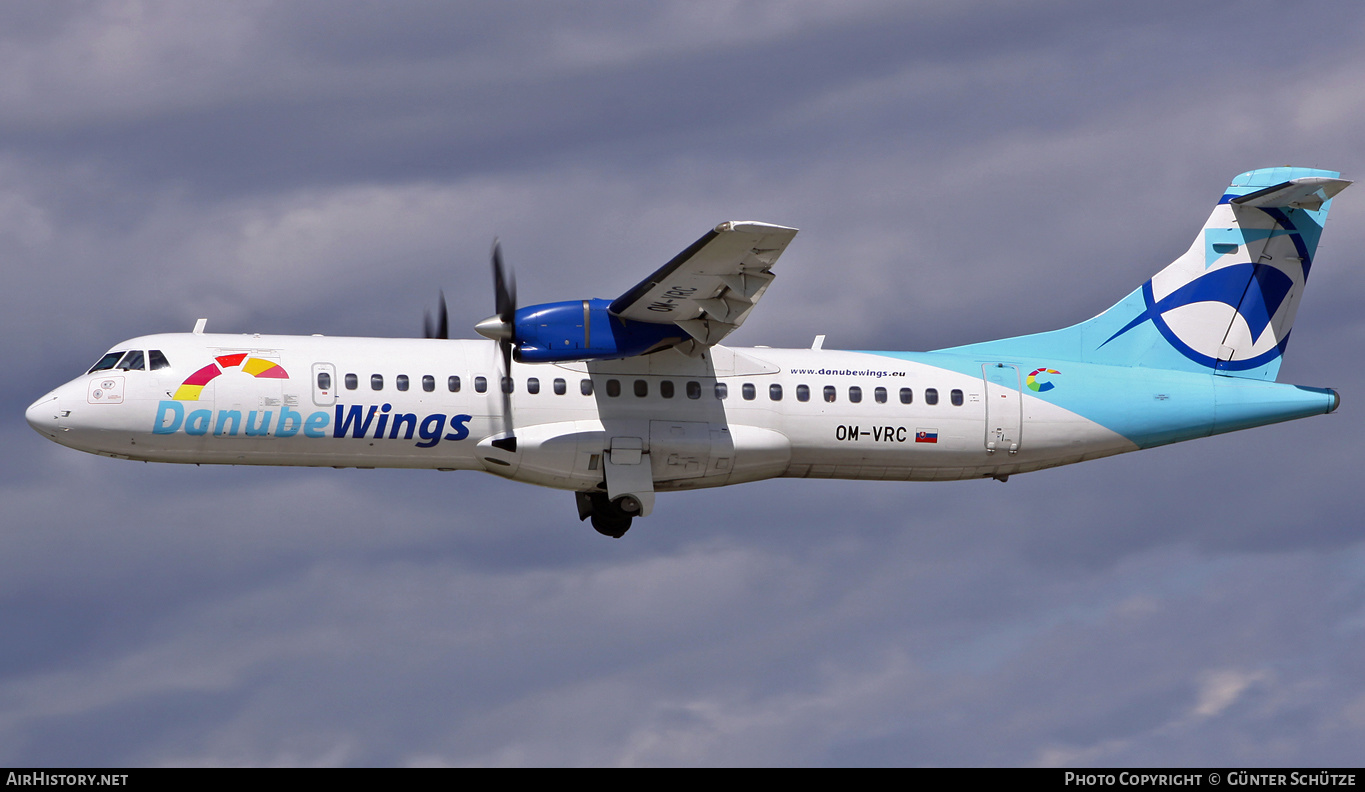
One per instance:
(617, 400)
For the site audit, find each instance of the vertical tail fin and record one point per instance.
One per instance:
(1227, 305)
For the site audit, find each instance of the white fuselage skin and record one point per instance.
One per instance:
(690, 437)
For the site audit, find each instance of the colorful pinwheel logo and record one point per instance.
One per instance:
(1046, 385)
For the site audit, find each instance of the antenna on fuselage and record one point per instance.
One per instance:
(199, 326)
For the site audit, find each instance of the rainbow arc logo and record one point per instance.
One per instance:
(260, 368)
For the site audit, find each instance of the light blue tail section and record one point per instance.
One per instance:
(1227, 305)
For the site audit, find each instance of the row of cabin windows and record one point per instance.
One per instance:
(748, 391)
(132, 360)
(453, 384)
(640, 388)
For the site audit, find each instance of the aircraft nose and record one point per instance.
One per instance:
(44, 414)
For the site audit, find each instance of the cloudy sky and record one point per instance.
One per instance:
(959, 171)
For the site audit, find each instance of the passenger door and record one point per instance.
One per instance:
(324, 384)
(1004, 407)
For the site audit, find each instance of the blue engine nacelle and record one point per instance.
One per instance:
(584, 330)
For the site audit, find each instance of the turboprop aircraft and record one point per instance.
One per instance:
(616, 400)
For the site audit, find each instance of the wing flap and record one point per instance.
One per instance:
(706, 331)
(710, 288)
(748, 283)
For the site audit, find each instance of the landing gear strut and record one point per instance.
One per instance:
(609, 518)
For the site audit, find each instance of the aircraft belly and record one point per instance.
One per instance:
(323, 452)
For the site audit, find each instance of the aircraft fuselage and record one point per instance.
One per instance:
(725, 417)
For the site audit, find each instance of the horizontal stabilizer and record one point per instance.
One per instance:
(1306, 193)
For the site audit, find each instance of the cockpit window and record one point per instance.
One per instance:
(133, 361)
(157, 361)
(107, 362)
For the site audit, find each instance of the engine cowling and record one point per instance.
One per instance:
(584, 330)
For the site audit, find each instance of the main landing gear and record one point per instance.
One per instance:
(609, 517)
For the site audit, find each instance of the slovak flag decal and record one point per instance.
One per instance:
(926, 435)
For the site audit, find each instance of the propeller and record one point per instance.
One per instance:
(502, 328)
(441, 327)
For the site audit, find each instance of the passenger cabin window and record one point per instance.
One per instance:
(585, 387)
(641, 388)
(880, 395)
(955, 396)
(830, 393)
(480, 384)
(533, 385)
(132, 361)
(507, 385)
(748, 390)
(453, 384)
(157, 361)
(666, 389)
(613, 388)
(107, 362)
(352, 382)
(855, 394)
(401, 382)
(693, 389)
(931, 395)
(722, 390)
(324, 381)
(428, 383)
(561, 387)
(376, 382)
(775, 392)
(907, 396)
(803, 393)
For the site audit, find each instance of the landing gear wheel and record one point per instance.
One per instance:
(609, 518)
(610, 525)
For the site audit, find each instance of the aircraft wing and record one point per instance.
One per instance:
(709, 288)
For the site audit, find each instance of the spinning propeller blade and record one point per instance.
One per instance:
(505, 302)
(441, 327)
